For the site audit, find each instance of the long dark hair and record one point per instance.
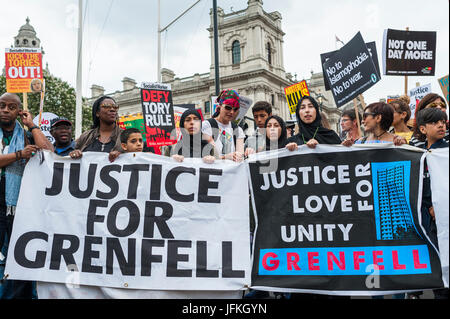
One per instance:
(427, 116)
(96, 108)
(283, 136)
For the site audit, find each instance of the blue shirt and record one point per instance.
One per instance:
(64, 151)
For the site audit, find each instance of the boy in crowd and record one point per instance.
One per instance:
(430, 129)
(261, 112)
(61, 130)
(131, 141)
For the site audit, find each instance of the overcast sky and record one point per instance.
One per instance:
(120, 37)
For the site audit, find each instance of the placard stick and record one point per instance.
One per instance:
(41, 104)
(25, 101)
(406, 77)
(355, 104)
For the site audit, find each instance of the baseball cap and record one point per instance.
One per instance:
(58, 120)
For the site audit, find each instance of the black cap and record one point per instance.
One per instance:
(58, 120)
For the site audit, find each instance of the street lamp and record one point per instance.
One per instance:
(161, 30)
(320, 99)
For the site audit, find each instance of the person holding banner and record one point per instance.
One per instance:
(105, 133)
(226, 136)
(16, 147)
(61, 130)
(431, 129)
(430, 100)
(402, 114)
(377, 119)
(192, 143)
(311, 132)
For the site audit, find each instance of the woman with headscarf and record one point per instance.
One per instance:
(192, 144)
(105, 133)
(311, 132)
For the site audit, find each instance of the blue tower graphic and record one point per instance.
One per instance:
(393, 216)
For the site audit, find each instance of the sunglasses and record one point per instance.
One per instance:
(436, 104)
(114, 107)
(365, 115)
(229, 108)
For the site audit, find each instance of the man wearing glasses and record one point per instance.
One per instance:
(227, 137)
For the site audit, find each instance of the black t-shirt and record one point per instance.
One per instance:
(97, 146)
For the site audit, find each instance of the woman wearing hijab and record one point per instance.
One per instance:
(311, 132)
(276, 135)
(192, 144)
(105, 133)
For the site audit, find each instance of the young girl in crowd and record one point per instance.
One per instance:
(402, 114)
(431, 100)
(276, 133)
(192, 143)
(430, 130)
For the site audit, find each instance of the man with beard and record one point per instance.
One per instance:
(16, 147)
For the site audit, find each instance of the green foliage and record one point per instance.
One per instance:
(60, 99)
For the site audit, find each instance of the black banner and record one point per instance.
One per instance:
(409, 52)
(373, 53)
(350, 71)
(340, 228)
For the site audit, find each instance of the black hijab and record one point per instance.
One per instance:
(314, 129)
(190, 142)
(281, 143)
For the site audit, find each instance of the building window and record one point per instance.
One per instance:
(207, 107)
(269, 53)
(236, 52)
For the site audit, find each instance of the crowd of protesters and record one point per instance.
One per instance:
(215, 139)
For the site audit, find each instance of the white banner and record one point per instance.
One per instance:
(438, 166)
(417, 94)
(142, 222)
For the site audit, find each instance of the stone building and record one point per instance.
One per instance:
(251, 61)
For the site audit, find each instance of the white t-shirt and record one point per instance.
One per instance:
(224, 142)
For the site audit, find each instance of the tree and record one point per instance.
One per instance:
(60, 99)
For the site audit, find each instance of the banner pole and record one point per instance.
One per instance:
(41, 104)
(355, 104)
(25, 101)
(406, 77)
